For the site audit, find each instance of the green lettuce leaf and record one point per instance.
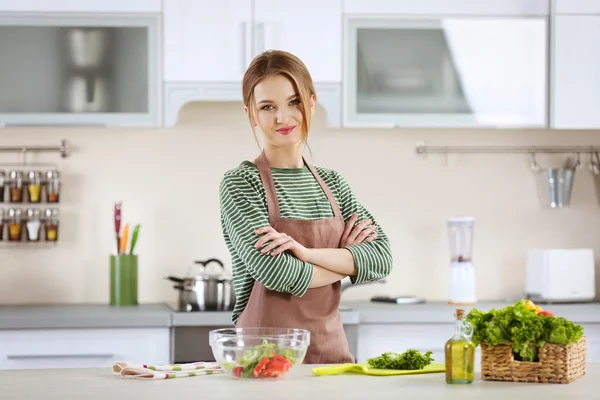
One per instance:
(523, 328)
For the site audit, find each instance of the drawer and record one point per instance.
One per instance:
(82, 348)
(592, 342)
(374, 340)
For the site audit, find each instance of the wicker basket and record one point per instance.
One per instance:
(557, 364)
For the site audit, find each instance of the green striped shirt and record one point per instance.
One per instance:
(244, 210)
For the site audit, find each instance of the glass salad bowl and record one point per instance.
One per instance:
(259, 353)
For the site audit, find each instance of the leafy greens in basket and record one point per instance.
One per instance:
(524, 325)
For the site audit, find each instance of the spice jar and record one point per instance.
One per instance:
(34, 186)
(1, 222)
(52, 186)
(14, 224)
(16, 186)
(2, 182)
(51, 224)
(33, 224)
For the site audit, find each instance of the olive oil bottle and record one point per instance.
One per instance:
(460, 352)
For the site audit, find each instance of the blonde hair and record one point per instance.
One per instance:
(279, 62)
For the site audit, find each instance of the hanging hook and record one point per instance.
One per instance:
(445, 156)
(533, 164)
(578, 161)
(595, 163)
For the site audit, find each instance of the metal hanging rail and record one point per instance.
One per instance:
(422, 148)
(64, 149)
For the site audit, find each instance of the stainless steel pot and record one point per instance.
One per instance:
(203, 291)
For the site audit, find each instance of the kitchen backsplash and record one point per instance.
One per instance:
(168, 181)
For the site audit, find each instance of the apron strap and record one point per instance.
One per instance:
(272, 203)
(334, 206)
(267, 179)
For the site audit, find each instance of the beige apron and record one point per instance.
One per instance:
(316, 311)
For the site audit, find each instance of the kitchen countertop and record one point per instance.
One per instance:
(162, 315)
(100, 384)
(59, 316)
(441, 312)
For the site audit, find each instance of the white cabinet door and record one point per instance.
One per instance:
(445, 72)
(82, 348)
(447, 7)
(374, 340)
(205, 41)
(577, 7)
(99, 6)
(310, 29)
(576, 79)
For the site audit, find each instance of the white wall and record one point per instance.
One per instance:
(168, 181)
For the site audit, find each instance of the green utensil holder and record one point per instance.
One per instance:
(124, 280)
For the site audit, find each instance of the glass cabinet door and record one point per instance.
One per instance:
(64, 70)
(450, 72)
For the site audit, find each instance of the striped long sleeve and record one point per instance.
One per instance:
(243, 211)
(374, 259)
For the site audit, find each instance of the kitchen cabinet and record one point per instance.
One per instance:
(206, 43)
(577, 7)
(82, 348)
(84, 6)
(376, 339)
(448, 7)
(207, 49)
(311, 29)
(67, 69)
(576, 72)
(434, 71)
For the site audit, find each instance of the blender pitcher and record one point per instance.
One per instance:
(461, 283)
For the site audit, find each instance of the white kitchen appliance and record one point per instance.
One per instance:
(461, 279)
(560, 275)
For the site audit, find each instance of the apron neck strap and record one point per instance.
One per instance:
(267, 178)
(272, 203)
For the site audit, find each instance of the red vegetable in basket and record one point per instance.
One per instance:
(547, 313)
(237, 371)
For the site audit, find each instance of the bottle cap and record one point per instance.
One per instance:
(460, 313)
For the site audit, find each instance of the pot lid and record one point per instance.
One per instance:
(211, 269)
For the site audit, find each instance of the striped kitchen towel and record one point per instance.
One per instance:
(131, 370)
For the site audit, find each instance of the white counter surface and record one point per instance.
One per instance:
(100, 384)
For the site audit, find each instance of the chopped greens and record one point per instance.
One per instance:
(409, 360)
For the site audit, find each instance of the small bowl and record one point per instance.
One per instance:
(259, 353)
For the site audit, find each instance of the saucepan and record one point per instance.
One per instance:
(204, 291)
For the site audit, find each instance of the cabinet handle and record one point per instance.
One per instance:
(50, 356)
(260, 38)
(244, 47)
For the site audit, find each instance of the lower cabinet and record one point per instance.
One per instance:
(82, 348)
(376, 339)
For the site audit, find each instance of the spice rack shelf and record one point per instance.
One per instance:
(30, 195)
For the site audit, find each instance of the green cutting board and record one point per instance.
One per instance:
(364, 369)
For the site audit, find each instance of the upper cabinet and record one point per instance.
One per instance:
(207, 47)
(576, 65)
(208, 43)
(310, 29)
(432, 71)
(204, 43)
(63, 69)
(577, 6)
(82, 6)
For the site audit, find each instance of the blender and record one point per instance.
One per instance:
(461, 283)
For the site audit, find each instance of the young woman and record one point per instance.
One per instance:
(293, 229)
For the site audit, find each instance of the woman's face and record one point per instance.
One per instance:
(279, 111)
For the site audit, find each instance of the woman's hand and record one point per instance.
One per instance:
(278, 243)
(359, 233)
